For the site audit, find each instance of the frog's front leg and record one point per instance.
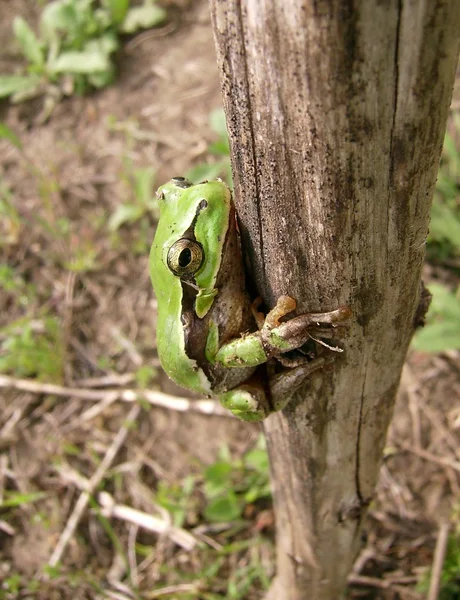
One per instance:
(280, 337)
(249, 400)
(276, 337)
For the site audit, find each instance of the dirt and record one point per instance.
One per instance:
(76, 168)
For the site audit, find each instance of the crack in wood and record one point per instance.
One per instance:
(253, 143)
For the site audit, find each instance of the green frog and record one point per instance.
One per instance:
(211, 338)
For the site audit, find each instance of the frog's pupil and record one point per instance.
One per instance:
(184, 258)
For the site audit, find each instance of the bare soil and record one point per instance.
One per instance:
(74, 170)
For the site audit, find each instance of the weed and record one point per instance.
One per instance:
(442, 331)
(10, 222)
(142, 203)
(145, 375)
(229, 485)
(74, 51)
(243, 579)
(220, 149)
(444, 236)
(450, 578)
(12, 586)
(14, 499)
(33, 348)
(9, 281)
(178, 499)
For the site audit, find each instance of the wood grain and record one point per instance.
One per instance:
(336, 113)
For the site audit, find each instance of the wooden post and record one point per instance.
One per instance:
(336, 111)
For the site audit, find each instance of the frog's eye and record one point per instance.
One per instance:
(185, 257)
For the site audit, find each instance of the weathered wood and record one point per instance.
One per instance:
(336, 112)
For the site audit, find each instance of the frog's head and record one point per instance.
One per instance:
(191, 234)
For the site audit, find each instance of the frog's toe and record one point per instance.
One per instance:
(246, 405)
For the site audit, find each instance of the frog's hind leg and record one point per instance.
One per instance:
(248, 401)
(287, 382)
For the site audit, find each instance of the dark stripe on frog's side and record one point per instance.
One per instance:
(231, 311)
(195, 329)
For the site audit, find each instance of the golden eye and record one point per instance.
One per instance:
(185, 257)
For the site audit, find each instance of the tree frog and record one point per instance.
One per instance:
(210, 336)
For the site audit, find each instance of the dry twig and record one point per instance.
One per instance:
(445, 462)
(438, 561)
(83, 500)
(179, 536)
(207, 407)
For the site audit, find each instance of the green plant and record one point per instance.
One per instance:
(177, 499)
(450, 577)
(33, 348)
(75, 48)
(10, 221)
(13, 499)
(145, 375)
(444, 236)
(230, 485)
(442, 330)
(12, 585)
(143, 201)
(244, 578)
(82, 254)
(9, 281)
(220, 149)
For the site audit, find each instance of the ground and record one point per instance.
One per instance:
(71, 269)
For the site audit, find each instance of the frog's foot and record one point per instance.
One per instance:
(247, 402)
(294, 359)
(295, 332)
(284, 306)
(285, 384)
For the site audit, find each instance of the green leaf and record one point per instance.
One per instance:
(438, 337)
(142, 17)
(105, 44)
(445, 224)
(204, 171)
(258, 460)
(16, 499)
(217, 479)
(221, 147)
(102, 79)
(32, 349)
(442, 331)
(118, 10)
(59, 16)
(145, 375)
(144, 179)
(125, 213)
(218, 122)
(11, 84)
(30, 44)
(84, 62)
(445, 303)
(452, 153)
(447, 187)
(225, 508)
(8, 134)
